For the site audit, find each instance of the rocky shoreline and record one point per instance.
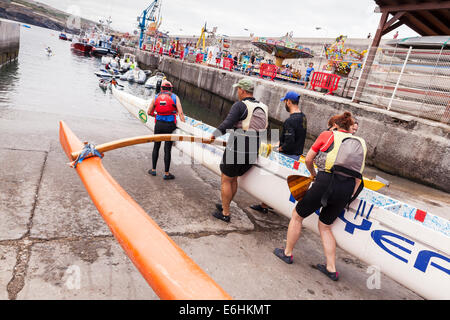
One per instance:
(34, 13)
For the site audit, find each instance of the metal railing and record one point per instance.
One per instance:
(411, 81)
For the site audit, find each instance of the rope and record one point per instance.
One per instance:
(87, 152)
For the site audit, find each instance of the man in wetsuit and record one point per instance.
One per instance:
(248, 118)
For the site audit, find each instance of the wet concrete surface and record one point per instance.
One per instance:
(55, 245)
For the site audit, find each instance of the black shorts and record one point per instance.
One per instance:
(240, 156)
(342, 191)
(232, 167)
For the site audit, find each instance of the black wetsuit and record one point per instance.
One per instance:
(163, 127)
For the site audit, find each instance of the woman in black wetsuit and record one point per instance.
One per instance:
(165, 108)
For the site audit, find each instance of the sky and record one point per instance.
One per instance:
(353, 18)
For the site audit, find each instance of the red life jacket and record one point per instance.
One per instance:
(165, 105)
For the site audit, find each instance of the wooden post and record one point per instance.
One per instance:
(370, 57)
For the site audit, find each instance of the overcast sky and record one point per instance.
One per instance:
(354, 18)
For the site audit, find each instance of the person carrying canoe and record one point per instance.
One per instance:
(340, 159)
(165, 108)
(248, 119)
(293, 135)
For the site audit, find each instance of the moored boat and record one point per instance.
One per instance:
(103, 48)
(62, 36)
(127, 61)
(137, 75)
(406, 243)
(153, 80)
(112, 73)
(81, 45)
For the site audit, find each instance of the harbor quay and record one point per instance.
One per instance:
(55, 245)
(9, 41)
(116, 184)
(398, 144)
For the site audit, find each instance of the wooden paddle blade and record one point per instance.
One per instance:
(298, 185)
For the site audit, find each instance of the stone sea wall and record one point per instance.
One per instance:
(9, 41)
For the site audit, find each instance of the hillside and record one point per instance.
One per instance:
(38, 14)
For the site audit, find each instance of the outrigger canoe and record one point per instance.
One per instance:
(168, 270)
(405, 243)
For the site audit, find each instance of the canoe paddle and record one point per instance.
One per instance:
(298, 185)
(101, 148)
(372, 184)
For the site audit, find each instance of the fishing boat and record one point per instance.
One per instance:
(81, 45)
(153, 80)
(103, 48)
(63, 36)
(407, 244)
(166, 267)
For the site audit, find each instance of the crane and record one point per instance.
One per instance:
(146, 17)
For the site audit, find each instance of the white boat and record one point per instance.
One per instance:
(153, 80)
(127, 60)
(136, 75)
(405, 243)
(111, 61)
(106, 59)
(112, 73)
(124, 76)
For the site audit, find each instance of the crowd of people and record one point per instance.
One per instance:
(245, 62)
(338, 154)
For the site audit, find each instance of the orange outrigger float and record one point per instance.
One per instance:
(168, 270)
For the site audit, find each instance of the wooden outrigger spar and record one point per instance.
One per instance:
(113, 145)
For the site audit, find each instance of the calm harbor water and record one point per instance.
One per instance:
(65, 83)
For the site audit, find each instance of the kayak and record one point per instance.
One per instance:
(407, 244)
(167, 268)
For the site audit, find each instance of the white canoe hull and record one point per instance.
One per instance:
(409, 252)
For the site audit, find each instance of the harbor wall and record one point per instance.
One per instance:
(404, 145)
(9, 41)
